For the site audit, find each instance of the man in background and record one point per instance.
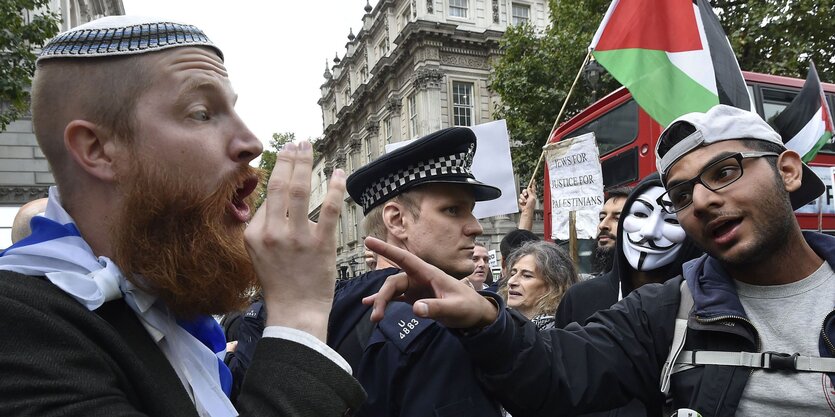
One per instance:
(482, 268)
(20, 225)
(607, 229)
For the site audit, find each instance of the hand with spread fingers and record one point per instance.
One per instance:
(433, 293)
(294, 257)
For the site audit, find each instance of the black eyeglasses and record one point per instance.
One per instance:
(714, 177)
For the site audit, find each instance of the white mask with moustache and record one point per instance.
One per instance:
(651, 237)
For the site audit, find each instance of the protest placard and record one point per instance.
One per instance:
(576, 184)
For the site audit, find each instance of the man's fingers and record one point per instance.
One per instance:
(279, 182)
(332, 204)
(298, 194)
(394, 286)
(400, 257)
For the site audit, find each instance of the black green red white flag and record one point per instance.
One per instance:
(806, 124)
(672, 55)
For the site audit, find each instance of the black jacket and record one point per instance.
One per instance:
(409, 366)
(60, 359)
(619, 354)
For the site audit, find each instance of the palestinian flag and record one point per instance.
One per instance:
(672, 55)
(806, 124)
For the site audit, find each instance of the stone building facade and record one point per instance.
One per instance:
(24, 172)
(414, 67)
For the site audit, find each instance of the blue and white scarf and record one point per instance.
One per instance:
(56, 250)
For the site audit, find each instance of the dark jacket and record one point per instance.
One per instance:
(247, 332)
(619, 354)
(410, 366)
(587, 297)
(60, 359)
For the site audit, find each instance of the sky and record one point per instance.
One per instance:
(274, 50)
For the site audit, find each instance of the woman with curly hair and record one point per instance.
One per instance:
(539, 275)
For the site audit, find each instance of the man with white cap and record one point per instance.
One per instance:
(107, 305)
(747, 332)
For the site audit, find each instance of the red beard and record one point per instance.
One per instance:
(173, 241)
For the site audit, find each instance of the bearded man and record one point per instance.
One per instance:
(107, 305)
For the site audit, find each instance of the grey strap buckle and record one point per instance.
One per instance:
(777, 361)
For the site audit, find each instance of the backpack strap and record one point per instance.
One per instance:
(773, 361)
(684, 306)
(679, 360)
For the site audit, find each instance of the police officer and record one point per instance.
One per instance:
(419, 198)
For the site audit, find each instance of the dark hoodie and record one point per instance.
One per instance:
(586, 298)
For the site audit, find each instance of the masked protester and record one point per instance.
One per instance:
(651, 248)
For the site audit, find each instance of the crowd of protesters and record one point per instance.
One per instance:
(707, 298)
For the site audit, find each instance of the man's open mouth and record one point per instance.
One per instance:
(239, 208)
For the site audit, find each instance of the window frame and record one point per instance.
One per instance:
(454, 107)
(466, 9)
(413, 125)
(513, 16)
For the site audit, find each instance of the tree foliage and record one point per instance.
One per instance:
(535, 74)
(537, 68)
(778, 37)
(267, 162)
(21, 33)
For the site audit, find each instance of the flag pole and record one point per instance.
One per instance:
(559, 116)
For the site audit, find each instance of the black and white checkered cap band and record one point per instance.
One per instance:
(455, 164)
(124, 40)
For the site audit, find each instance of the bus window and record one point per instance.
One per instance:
(613, 129)
(830, 146)
(775, 101)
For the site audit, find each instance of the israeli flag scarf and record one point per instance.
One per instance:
(57, 251)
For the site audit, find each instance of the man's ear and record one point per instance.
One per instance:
(91, 147)
(394, 218)
(790, 167)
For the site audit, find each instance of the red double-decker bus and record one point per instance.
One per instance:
(626, 137)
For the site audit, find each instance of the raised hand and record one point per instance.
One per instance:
(433, 293)
(527, 205)
(295, 258)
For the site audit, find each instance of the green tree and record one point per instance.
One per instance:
(267, 162)
(537, 68)
(535, 74)
(21, 32)
(779, 36)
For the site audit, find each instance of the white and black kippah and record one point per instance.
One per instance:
(445, 156)
(124, 35)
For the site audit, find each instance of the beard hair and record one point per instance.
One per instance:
(179, 244)
(604, 258)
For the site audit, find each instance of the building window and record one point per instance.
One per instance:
(462, 104)
(341, 231)
(458, 8)
(352, 228)
(347, 95)
(364, 74)
(521, 13)
(387, 131)
(369, 155)
(404, 18)
(413, 131)
(383, 48)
